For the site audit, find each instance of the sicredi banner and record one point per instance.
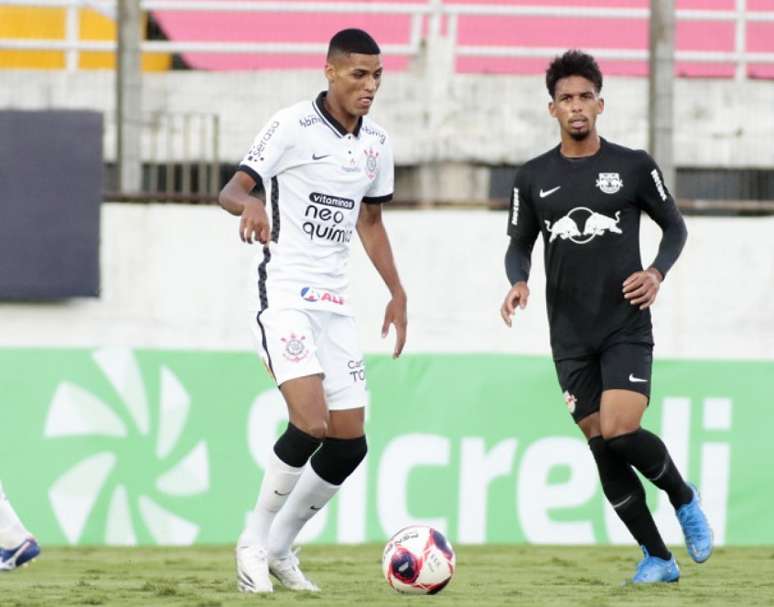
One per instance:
(137, 446)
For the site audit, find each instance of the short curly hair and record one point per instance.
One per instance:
(573, 63)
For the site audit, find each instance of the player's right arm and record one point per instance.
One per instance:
(266, 158)
(235, 197)
(523, 229)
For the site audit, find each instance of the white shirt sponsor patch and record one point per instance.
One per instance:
(515, 213)
(659, 184)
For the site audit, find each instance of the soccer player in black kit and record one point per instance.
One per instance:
(586, 197)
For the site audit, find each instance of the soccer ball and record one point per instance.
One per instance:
(418, 560)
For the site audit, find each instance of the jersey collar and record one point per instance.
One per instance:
(327, 117)
(582, 159)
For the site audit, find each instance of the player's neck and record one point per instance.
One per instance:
(345, 119)
(572, 148)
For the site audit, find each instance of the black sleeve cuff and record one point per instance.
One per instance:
(377, 199)
(246, 169)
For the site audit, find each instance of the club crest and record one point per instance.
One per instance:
(295, 348)
(609, 183)
(571, 401)
(371, 165)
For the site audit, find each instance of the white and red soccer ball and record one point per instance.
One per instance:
(418, 560)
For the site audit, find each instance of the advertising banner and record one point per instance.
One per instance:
(120, 446)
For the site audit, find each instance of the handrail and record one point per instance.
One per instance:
(161, 46)
(239, 6)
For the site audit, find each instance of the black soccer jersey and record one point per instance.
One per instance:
(588, 210)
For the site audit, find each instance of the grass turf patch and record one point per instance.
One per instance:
(351, 575)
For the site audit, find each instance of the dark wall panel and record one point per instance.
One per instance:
(50, 195)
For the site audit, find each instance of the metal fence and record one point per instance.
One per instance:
(180, 162)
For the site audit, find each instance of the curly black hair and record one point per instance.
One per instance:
(573, 63)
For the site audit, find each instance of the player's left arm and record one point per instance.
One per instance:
(376, 243)
(653, 197)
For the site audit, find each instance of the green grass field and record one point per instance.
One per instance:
(351, 575)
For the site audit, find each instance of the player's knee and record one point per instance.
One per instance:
(598, 447)
(589, 425)
(296, 446)
(318, 428)
(611, 428)
(313, 425)
(338, 458)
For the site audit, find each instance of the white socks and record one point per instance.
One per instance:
(12, 532)
(278, 482)
(308, 498)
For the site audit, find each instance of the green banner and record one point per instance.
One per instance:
(154, 447)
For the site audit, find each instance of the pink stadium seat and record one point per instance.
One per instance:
(597, 33)
(275, 27)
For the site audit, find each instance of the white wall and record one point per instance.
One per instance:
(178, 277)
(471, 118)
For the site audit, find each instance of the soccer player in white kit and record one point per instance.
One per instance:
(326, 169)
(17, 546)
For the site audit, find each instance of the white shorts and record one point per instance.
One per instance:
(296, 343)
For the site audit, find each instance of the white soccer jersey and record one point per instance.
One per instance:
(315, 175)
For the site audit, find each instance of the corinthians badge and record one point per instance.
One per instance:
(371, 166)
(295, 348)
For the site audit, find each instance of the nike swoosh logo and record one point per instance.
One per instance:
(635, 380)
(281, 494)
(622, 502)
(316, 157)
(315, 508)
(548, 192)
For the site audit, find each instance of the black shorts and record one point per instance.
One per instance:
(622, 366)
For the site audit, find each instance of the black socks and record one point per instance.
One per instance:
(647, 452)
(625, 493)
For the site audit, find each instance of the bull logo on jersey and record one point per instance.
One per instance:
(596, 224)
(295, 348)
(609, 183)
(371, 165)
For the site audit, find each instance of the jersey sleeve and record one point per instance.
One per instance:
(269, 151)
(523, 228)
(383, 184)
(656, 200)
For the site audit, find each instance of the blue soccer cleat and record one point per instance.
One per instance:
(652, 570)
(21, 555)
(698, 534)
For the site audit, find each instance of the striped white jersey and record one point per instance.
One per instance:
(316, 174)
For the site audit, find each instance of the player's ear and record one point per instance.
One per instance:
(552, 108)
(601, 103)
(330, 72)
